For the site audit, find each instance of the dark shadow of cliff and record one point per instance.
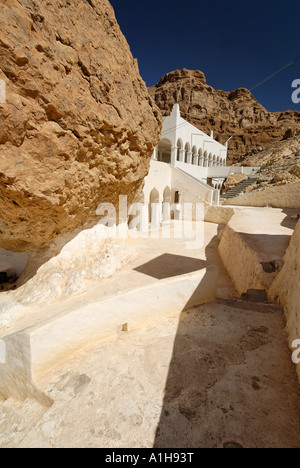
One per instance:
(170, 265)
(291, 218)
(223, 388)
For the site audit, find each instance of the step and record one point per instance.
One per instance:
(239, 188)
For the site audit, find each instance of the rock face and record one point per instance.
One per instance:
(227, 113)
(78, 127)
(285, 290)
(91, 255)
(279, 162)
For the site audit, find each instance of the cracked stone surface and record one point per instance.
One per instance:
(186, 381)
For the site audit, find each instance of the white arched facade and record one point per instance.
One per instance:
(188, 166)
(186, 147)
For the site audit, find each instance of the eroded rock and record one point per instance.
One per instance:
(78, 126)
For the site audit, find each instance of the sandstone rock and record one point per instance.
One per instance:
(285, 289)
(295, 170)
(78, 126)
(280, 162)
(227, 113)
(280, 177)
(290, 133)
(92, 255)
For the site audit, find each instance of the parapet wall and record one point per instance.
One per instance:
(242, 263)
(192, 190)
(253, 244)
(285, 288)
(284, 196)
(29, 354)
(218, 214)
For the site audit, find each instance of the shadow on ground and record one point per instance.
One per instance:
(231, 381)
(170, 265)
(290, 219)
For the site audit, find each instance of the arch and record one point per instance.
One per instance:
(179, 149)
(210, 160)
(218, 161)
(194, 156)
(187, 150)
(167, 195)
(200, 158)
(154, 196)
(164, 151)
(205, 159)
(177, 197)
(214, 160)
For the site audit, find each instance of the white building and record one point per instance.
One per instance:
(187, 166)
(189, 149)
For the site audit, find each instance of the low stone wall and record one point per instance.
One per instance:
(241, 262)
(252, 246)
(285, 289)
(218, 214)
(28, 355)
(285, 196)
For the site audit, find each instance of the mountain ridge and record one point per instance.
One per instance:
(235, 114)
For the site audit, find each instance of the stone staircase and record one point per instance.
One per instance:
(238, 189)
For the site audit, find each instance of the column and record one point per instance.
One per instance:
(154, 157)
(166, 212)
(189, 157)
(173, 155)
(217, 197)
(155, 215)
(144, 218)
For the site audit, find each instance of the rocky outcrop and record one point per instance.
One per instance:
(92, 255)
(285, 290)
(78, 126)
(279, 162)
(236, 113)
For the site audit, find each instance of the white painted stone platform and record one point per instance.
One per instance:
(29, 354)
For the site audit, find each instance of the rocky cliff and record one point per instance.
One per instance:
(235, 113)
(78, 127)
(285, 290)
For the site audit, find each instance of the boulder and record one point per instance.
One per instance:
(78, 126)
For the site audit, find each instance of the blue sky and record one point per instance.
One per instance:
(235, 43)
